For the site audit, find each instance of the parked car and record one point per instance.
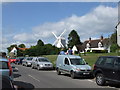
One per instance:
(73, 65)
(107, 68)
(5, 68)
(19, 60)
(27, 61)
(12, 60)
(41, 63)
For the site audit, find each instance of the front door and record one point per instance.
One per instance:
(66, 65)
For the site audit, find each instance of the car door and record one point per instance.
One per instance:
(117, 69)
(109, 67)
(66, 65)
(23, 61)
(33, 62)
(36, 62)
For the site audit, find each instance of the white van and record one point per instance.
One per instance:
(73, 65)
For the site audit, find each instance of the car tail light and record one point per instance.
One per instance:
(94, 67)
(10, 68)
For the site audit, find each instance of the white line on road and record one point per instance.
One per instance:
(34, 78)
(91, 81)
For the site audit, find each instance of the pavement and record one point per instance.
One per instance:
(26, 77)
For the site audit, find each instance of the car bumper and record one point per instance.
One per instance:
(29, 64)
(46, 67)
(81, 74)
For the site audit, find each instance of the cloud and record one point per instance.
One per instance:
(100, 20)
(25, 37)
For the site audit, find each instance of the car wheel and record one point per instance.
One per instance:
(22, 64)
(38, 67)
(32, 67)
(72, 75)
(100, 79)
(26, 65)
(58, 72)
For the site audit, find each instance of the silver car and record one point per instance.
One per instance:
(41, 63)
(27, 61)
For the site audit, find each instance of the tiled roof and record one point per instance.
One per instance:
(23, 49)
(94, 43)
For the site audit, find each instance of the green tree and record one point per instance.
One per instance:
(73, 39)
(113, 40)
(40, 43)
(22, 46)
(20, 52)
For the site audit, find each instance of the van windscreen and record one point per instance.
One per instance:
(43, 60)
(77, 61)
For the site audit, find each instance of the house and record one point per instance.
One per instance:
(118, 33)
(97, 45)
(78, 48)
(13, 52)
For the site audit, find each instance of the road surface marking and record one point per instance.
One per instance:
(91, 81)
(34, 78)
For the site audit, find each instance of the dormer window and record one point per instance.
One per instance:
(99, 45)
(88, 45)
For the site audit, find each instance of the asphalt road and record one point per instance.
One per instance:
(31, 78)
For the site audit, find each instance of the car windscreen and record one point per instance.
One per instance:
(29, 58)
(77, 61)
(118, 61)
(4, 65)
(21, 58)
(43, 60)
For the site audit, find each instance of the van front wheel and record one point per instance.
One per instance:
(72, 75)
(58, 72)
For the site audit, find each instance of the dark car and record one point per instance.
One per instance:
(107, 68)
(19, 60)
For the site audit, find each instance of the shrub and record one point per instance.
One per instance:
(114, 47)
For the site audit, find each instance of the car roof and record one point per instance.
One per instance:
(3, 59)
(70, 56)
(40, 57)
(111, 56)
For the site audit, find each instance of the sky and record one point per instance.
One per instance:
(27, 22)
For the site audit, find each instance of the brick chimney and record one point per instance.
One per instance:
(101, 38)
(89, 39)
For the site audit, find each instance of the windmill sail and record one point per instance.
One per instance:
(60, 41)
